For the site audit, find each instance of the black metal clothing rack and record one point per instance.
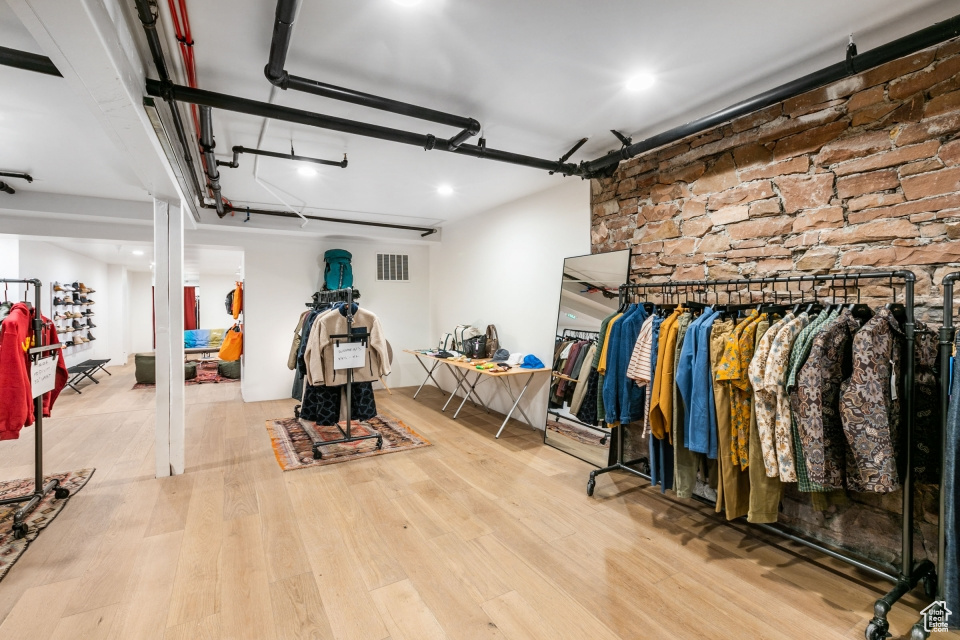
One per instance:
(346, 296)
(579, 333)
(40, 490)
(907, 575)
(947, 335)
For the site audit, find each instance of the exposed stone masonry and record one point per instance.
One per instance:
(863, 174)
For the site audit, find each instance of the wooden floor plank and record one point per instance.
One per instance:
(298, 610)
(405, 614)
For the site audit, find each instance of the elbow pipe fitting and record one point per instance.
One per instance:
(5, 188)
(463, 136)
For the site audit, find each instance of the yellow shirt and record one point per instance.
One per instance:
(661, 413)
(602, 367)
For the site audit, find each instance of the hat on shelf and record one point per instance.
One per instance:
(531, 362)
(501, 355)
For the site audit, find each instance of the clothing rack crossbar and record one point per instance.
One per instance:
(40, 490)
(908, 575)
(579, 333)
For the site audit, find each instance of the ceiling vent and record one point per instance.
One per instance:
(393, 266)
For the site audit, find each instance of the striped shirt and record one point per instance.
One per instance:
(639, 367)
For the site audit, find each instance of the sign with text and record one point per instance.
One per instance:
(349, 355)
(43, 374)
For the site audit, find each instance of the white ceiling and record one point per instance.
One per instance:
(537, 74)
(46, 132)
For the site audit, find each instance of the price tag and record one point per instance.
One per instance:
(349, 355)
(43, 374)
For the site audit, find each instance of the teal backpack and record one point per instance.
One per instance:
(338, 273)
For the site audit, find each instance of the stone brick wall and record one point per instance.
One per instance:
(863, 174)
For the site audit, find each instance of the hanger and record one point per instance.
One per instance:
(861, 311)
(898, 310)
(693, 305)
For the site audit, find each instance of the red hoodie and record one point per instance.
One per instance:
(16, 403)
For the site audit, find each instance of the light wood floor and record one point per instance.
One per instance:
(469, 538)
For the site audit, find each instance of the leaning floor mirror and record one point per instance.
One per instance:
(588, 294)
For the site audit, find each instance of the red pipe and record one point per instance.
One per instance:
(185, 39)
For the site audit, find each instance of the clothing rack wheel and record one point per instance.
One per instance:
(910, 575)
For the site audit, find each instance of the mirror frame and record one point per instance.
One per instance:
(626, 278)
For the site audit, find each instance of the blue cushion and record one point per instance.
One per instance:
(193, 338)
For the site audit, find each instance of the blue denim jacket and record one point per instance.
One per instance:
(700, 433)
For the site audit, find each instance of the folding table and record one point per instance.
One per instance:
(462, 370)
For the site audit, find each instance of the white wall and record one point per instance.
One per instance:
(10, 265)
(504, 267)
(140, 315)
(115, 340)
(213, 290)
(51, 263)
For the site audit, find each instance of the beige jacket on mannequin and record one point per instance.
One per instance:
(319, 352)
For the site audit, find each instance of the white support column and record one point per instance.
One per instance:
(168, 304)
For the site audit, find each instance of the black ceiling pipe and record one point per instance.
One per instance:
(149, 22)
(5, 188)
(277, 75)
(309, 118)
(237, 150)
(853, 65)
(207, 145)
(28, 61)
(14, 174)
(289, 214)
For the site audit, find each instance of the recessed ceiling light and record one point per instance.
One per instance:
(137, 252)
(307, 172)
(640, 82)
(407, 3)
(445, 190)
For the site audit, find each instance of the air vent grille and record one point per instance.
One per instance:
(393, 267)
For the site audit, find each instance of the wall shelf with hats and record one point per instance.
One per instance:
(74, 314)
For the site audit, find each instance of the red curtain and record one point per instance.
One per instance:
(189, 308)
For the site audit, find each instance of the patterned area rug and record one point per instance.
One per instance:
(207, 373)
(10, 548)
(293, 440)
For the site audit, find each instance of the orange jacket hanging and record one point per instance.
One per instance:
(238, 300)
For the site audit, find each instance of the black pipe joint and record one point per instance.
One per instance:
(431, 142)
(5, 188)
(282, 80)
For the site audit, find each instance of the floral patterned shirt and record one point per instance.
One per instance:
(870, 404)
(731, 370)
(765, 402)
(775, 378)
(816, 402)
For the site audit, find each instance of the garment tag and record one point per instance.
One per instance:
(43, 374)
(893, 383)
(349, 355)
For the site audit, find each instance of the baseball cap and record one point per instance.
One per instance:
(531, 362)
(501, 355)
